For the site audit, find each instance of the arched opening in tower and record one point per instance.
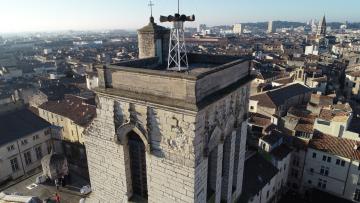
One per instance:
(137, 165)
(212, 175)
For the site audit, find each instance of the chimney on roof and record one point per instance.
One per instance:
(356, 147)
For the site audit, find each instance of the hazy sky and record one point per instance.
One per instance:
(48, 15)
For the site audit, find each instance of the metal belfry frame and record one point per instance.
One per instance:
(177, 59)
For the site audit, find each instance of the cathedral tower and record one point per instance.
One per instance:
(321, 31)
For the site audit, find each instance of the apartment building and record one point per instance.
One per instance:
(335, 120)
(278, 101)
(71, 115)
(352, 84)
(24, 140)
(332, 166)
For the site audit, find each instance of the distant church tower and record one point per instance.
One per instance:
(321, 31)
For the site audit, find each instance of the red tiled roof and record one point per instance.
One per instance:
(259, 120)
(335, 112)
(354, 74)
(278, 97)
(335, 145)
(73, 108)
(304, 126)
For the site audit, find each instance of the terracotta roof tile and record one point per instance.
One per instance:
(277, 97)
(335, 145)
(73, 108)
(259, 120)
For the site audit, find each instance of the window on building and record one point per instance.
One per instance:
(310, 182)
(263, 146)
(24, 142)
(27, 156)
(324, 158)
(322, 184)
(252, 107)
(329, 159)
(10, 148)
(314, 155)
(35, 137)
(267, 194)
(311, 170)
(47, 132)
(14, 164)
(342, 163)
(49, 146)
(38, 152)
(294, 173)
(337, 162)
(357, 195)
(324, 171)
(327, 171)
(323, 122)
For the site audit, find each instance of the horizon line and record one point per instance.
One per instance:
(135, 29)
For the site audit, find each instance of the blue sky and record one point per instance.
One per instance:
(44, 15)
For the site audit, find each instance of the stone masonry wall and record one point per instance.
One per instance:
(106, 159)
(177, 160)
(218, 116)
(170, 164)
(146, 45)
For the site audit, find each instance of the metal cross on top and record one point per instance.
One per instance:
(151, 4)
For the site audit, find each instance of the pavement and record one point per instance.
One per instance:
(68, 194)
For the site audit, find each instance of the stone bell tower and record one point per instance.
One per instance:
(153, 41)
(166, 136)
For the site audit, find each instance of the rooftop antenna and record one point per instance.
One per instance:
(177, 59)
